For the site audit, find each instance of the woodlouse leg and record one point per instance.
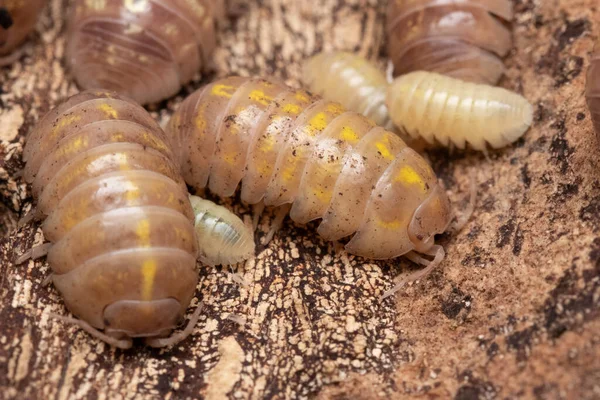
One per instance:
(389, 72)
(47, 280)
(257, 211)
(464, 218)
(179, 336)
(237, 278)
(26, 219)
(12, 57)
(280, 214)
(118, 343)
(436, 250)
(34, 253)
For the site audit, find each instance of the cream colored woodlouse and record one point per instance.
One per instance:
(124, 235)
(423, 104)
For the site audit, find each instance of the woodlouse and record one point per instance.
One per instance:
(422, 104)
(465, 39)
(116, 208)
(286, 147)
(592, 88)
(350, 80)
(17, 20)
(437, 107)
(143, 49)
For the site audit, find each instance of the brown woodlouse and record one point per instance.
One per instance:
(465, 39)
(287, 147)
(17, 20)
(116, 210)
(143, 49)
(592, 88)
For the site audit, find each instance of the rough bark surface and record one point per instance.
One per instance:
(514, 311)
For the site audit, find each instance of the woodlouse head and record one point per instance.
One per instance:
(432, 217)
(129, 318)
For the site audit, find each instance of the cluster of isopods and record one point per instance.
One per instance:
(111, 185)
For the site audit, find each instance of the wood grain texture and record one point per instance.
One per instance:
(514, 311)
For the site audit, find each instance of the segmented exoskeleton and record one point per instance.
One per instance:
(145, 49)
(437, 107)
(465, 39)
(285, 146)
(350, 80)
(592, 88)
(116, 210)
(422, 104)
(223, 238)
(17, 20)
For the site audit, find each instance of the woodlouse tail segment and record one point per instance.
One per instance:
(178, 336)
(438, 254)
(123, 344)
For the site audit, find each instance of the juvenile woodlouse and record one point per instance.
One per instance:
(286, 147)
(422, 104)
(592, 88)
(465, 39)
(437, 107)
(116, 210)
(17, 20)
(143, 49)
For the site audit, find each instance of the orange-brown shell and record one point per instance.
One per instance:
(285, 146)
(592, 88)
(143, 49)
(465, 39)
(17, 20)
(116, 210)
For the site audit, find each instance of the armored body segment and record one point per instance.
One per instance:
(144, 49)
(465, 39)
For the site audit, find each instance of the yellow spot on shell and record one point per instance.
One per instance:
(391, 225)
(318, 123)
(349, 135)
(409, 176)
(267, 144)
(64, 122)
(132, 194)
(292, 109)
(109, 110)
(230, 158)
(223, 90)
(143, 232)
(260, 97)
(335, 108)
(324, 196)
(148, 277)
(300, 96)
(384, 150)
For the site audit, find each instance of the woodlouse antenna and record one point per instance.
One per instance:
(461, 221)
(436, 251)
(118, 343)
(178, 336)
